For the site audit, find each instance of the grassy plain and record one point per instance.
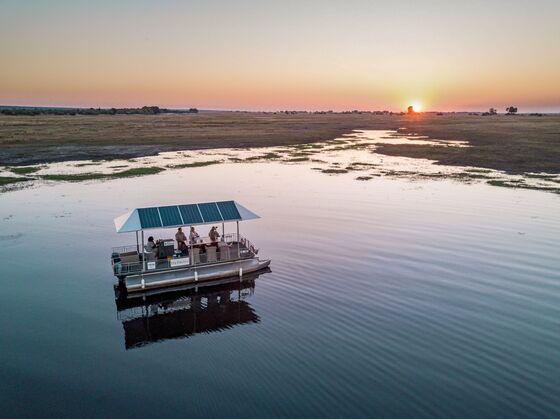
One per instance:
(516, 144)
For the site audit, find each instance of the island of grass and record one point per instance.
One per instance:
(334, 171)
(80, 177)
(6, 180)
(24, 170)
(194, 164)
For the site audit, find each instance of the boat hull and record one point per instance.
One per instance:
(192, 275)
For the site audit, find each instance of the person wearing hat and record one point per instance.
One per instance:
(181, 241)
(213, 234)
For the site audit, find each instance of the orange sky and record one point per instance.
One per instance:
(281, 55)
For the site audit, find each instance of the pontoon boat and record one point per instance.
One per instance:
(161, 263)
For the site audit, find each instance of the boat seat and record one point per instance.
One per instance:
(196, 254)
(225, 253)
(211, 254)
(130, 258)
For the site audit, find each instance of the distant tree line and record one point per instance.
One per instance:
(144, 110)
(511, 110)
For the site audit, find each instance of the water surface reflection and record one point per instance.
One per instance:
(181, 313)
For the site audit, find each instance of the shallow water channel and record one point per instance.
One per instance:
(391, 297)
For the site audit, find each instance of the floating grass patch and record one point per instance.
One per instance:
(297, 159)
(360, 166)
(194, 164)
(85, 164)
(6, 180)
(504, 183)
(317, 161)
(80, 177)
(334, 171)
(24, 170)
(267, 156)
(364, 178)
(355, 168)
(75, 177)
(398, 173)
(432, 175)
(138, 171)
(543, 176)
(471, 175)
(299, 146)
(302, 153)
(519, 184)
(120, 166)
(270, 156)
(478, 170)
(235, 159)
(357, 163)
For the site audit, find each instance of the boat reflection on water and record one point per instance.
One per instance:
(180, 313)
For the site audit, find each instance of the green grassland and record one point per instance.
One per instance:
(515, 144)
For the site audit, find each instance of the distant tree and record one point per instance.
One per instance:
(492, 111)
(512, 110)
(411, 110)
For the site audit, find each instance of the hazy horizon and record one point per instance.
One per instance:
(306, 55)
(500, 111)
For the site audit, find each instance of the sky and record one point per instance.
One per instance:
(274, 55)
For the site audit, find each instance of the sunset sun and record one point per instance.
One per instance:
(417, 106)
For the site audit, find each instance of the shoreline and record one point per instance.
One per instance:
(354, 155)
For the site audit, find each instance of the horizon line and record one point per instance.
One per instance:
(262, 110)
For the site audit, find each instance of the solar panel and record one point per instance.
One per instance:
(228, 210)
(170, 216)
(190, 214)
(149, 217)
(182, 215)
(210, 212)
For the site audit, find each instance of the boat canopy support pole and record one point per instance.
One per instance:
(238, 241)
(143, 254)
(137, 244)
(191, 254)
(223, 231)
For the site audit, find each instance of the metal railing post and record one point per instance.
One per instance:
(143, 254)
(238, 242)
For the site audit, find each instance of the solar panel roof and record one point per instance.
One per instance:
(182, 215)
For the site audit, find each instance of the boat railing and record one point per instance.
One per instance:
(130, 248)
(225, 253)
(248, 245)
(228, 238)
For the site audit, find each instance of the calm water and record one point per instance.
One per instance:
(386, 298)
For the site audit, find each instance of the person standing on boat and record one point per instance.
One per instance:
(152, 248)
(193, 236)
(181, 241)
(213, 234)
